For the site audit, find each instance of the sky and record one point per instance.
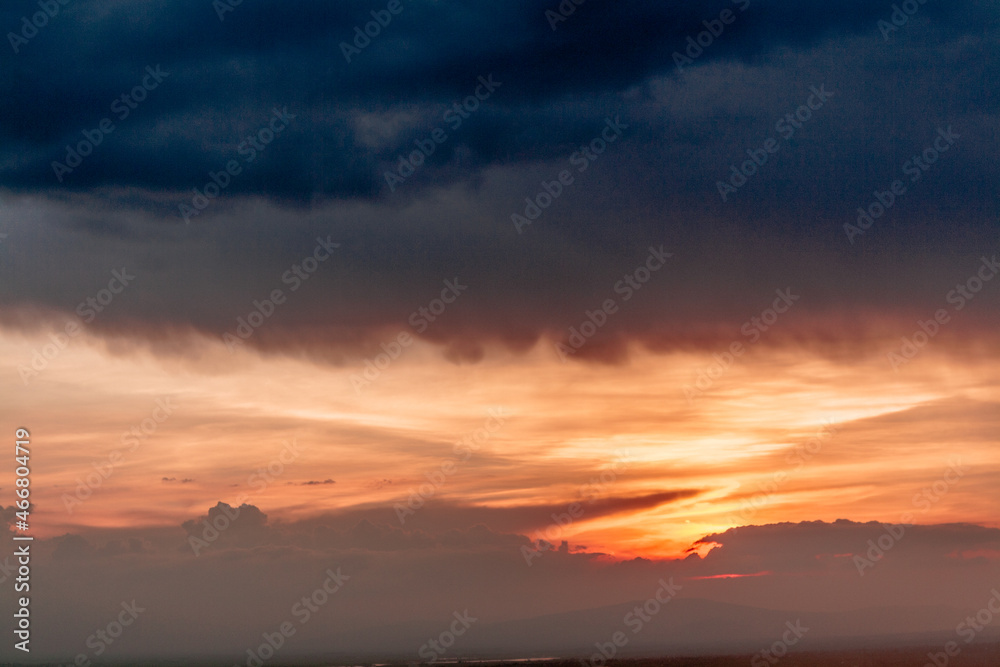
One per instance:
(518, 307)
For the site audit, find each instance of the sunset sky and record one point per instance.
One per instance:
(411, 300)
(854, 440)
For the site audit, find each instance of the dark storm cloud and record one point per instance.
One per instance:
(323, 175)
(224, 78)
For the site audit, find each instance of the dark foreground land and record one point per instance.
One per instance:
(976, 655)
(982, 655)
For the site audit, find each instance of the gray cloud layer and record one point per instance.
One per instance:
(404, 583)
